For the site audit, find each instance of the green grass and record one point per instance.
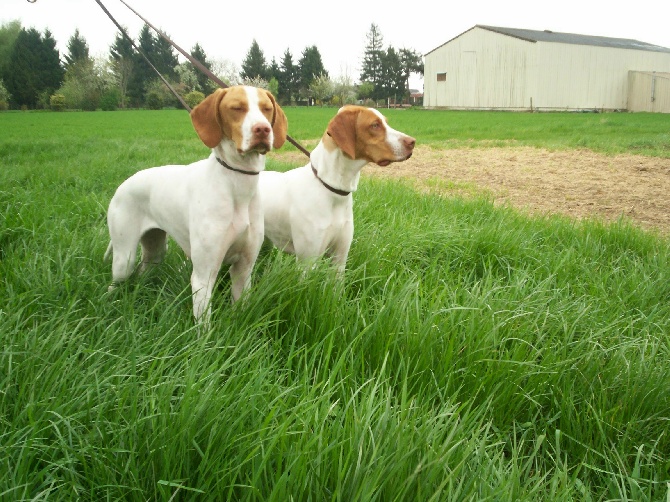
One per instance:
(610, 133)
(472, 352)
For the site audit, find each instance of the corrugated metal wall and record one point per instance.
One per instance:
(483, 70)
(488, 70)
(648, 91)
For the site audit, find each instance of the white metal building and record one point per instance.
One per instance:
(488, 67)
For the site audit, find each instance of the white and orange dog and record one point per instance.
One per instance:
(309, 210)
(211, 208)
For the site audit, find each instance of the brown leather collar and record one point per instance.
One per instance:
(332, 189)
(250, 173)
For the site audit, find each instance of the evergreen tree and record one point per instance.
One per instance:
(205, 85)
(77, 50)
(164, 59)
(34, 68)
(310, 67)
(372, 59)
(254, 65)
(142, 73)
(288, 79)
(122, 60)
(51, 69)
(273, 70)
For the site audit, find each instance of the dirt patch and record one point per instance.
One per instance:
(580, 184)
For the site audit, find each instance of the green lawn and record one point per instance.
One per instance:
(471, 352)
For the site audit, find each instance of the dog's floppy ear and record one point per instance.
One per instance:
(342, 128)
(279, 123)
(206, 120)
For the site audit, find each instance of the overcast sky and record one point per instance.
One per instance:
(226, 29)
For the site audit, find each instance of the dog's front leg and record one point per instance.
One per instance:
(240, 276)
(207, 257)
(240, 271)
(340, 248)
(202, 284)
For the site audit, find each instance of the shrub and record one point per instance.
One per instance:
(154, 100)
(5, 97)
(193, 98)
(57, 102)
(109, 101)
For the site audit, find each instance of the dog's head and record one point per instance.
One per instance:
(363, 133)
(249, 117)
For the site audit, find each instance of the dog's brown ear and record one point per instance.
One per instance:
(342, 128)
(206, 121)
(279, 123)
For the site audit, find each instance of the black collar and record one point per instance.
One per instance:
(332, 189)
(250, 173)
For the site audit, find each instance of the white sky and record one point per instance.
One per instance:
(226, 29)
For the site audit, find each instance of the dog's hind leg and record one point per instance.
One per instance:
(154, 247)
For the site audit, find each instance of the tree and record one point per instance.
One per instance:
(77, 50)
(310, 67)
(51, 69)
(188, 78)
(34, 69)
(5, 97)
(254, 65)
(366, 90)
(273, 70)
(288, 79)
(273, 86)
(411, 62)
(142, 73)
(391, 81)
(122, 60)
(372, 58)
(343, 90)
(226, 70)
(204, 84)
(322, 89)
(164, 59)
(83, 86)
(8, 35)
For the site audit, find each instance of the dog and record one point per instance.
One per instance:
(308, 211)
(212, 207)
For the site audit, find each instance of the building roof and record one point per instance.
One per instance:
(568, 38)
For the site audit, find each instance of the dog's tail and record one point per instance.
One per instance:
(108, 253)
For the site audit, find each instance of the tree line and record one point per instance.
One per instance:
(33, 74)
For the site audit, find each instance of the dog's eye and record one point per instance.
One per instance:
(375, 125)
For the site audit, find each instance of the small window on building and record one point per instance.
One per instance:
(441, 77)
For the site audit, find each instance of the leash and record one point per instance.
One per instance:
(191, 59)
(144, 56)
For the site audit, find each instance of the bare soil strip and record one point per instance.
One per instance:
(576, 183)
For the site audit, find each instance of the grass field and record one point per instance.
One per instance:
(471, 353)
